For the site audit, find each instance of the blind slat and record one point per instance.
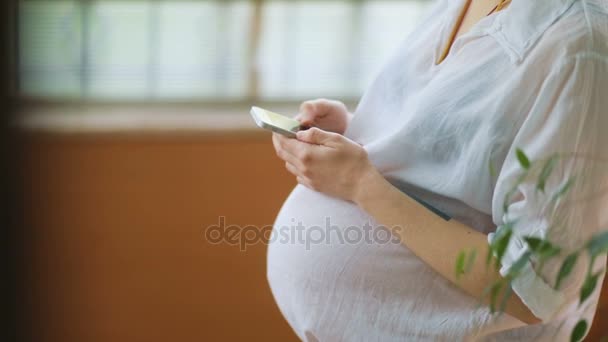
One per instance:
(198, 50)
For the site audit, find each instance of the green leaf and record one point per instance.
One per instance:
(460, 264)
(518, 265)
(588, 287)
(500, 243)
(534, 243)
(563, 189)
(522, 177)
(598, 244)
(505, 228)
(505, 297)
(546, 172)
(566, 268)
(579, 331)
(489, 257)
(470, 261)
(543, 248)
(494, 291)
(464, 262)
(523, 159)
(547, 250)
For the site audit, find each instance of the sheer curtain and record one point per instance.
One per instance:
(203, 50)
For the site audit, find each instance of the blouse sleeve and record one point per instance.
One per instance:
(569, 117)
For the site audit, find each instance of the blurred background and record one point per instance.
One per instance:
(206, 50)
(128, 135)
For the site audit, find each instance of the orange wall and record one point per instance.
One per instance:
(115, 242)
(117, 238)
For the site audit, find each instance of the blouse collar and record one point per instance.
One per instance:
(523, 22)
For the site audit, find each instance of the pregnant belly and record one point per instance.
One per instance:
(313, 229)
(339, 276)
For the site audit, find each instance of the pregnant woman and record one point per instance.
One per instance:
(474, 82)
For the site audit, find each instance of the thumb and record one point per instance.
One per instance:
(306, 119)
(315, 136)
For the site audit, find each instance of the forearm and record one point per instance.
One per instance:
(434, 240)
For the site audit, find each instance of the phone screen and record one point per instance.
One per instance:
(278, 120)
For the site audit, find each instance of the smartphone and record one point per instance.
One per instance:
(275, 122)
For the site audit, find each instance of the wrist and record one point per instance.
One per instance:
(369, 181)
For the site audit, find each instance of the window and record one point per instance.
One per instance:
(206, 50)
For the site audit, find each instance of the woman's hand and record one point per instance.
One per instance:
(326, 162)
(328, 115)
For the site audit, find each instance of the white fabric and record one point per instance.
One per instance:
(534, 76)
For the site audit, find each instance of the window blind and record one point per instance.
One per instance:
(201, 50)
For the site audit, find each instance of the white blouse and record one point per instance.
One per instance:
(532, 76)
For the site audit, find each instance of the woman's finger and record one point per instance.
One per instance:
(308, 106)
(309, 113)
(286, 153)
(293, 170)
(275, 142)
(304, 182)
(306, 119)
(288, 158)
(295, 147)
(317, 136)
(281, 142)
